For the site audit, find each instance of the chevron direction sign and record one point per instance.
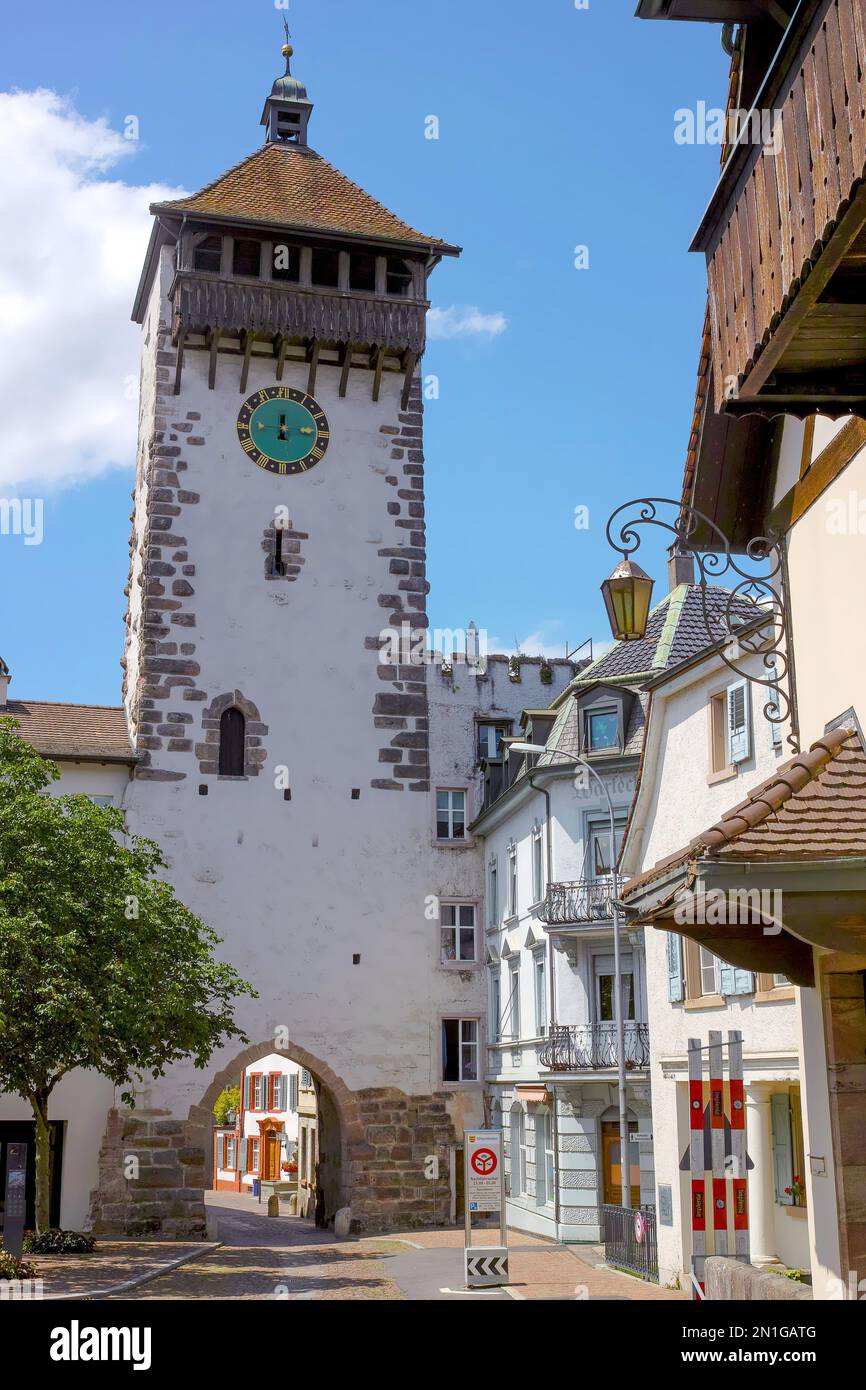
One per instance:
(486, 1266)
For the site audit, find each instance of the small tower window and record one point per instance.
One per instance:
(287, 262)
(208, 254)
(232, 730)
(288, 125)
(362, 272)
(326, 268)
(398, 276)
(246, 257)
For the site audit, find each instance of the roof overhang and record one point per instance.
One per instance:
(802, 904)
(306, 229)
(705, 11)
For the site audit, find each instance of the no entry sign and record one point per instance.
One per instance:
(484, 1170)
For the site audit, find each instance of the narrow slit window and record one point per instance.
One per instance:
(208, 254)
(279, 562)
(287, 263)
(362, 272)
(247, 257)
(232, 730)
(398, 276)
(326, 268)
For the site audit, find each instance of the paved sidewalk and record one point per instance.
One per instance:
(113, 1263)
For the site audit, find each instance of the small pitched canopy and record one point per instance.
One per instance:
(287, 110)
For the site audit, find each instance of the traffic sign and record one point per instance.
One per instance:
(484, 1170)
(486, 1266)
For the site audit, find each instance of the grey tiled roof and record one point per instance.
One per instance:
(687, 639)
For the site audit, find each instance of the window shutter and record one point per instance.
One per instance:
(773, 700)
(739, 722)
(727, 975)
(242, 1154)
(744, 982)
(247, 1091)
(675, 967)
(293, 1091)
(783, 1158)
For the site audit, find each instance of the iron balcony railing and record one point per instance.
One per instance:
(583, 900)
(592, 1047)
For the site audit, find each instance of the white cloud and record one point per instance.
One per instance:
(466, 322)
(73, 251)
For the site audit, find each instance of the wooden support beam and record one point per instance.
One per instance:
(245, 368)
(281, 342)
(344, 373)
(181, 337)
(377, 364)
(314, 366)
(409, 360)
(213, 348)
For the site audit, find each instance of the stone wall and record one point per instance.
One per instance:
(389, 1189)
(153, 1168)
(728, 1280)
(151, 1177)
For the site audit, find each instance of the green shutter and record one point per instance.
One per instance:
(735, 981)
(783, 1155)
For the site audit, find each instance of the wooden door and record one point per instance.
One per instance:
(271, 1166)
(612, 1167)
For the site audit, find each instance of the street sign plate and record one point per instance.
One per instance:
(486, 1266)
(484, 1170)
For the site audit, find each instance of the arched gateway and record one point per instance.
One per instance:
(374, 1146)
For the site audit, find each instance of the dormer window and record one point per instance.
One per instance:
(602, 729)
(247, 257)
(398, 276)
(208, 254)
(325, 268)
(362, 272)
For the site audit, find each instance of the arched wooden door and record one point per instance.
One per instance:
(271, 1159)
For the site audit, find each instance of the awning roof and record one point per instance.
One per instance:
(801, 835)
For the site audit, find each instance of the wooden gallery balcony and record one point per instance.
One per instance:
(314, 325)
(785, 232)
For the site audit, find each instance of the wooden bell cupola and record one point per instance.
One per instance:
(287, 110)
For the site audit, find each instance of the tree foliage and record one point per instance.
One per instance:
(101, 966)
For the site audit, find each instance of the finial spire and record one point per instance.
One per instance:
(287, 109)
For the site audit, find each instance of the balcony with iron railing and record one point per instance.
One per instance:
(577, 902)
(593, 1047)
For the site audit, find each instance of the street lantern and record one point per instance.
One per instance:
(627, 596)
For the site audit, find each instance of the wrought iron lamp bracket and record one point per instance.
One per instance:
(769, 590)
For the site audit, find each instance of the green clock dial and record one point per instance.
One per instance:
(283, 430)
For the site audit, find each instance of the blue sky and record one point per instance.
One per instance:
(556, 130)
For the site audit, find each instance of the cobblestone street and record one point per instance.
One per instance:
(285, 1258)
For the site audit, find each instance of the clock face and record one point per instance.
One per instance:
(283, 430)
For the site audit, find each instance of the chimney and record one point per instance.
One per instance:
(681, 566)
(4, 684)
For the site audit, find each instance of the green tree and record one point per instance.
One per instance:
(228, 1102)
(101, 966)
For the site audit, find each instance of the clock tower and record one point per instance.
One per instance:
(283, 762)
